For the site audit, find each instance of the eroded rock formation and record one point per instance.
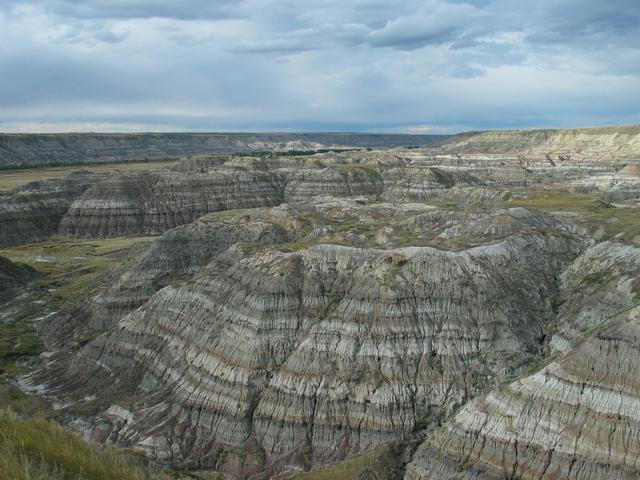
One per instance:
(32, 213)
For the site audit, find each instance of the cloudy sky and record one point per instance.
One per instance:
(421, 66)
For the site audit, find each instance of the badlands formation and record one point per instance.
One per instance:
(463, 310)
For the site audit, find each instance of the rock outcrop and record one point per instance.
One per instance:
(13, 278)
(417, 184)
(32, 213)
(325, 352)
(151, 203)
(472, 315)
(576, 417)
(178, 254)
(588, 144)
(43, 149)
(345, 180)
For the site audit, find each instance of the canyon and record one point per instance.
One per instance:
(391, 307)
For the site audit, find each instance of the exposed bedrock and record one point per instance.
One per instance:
(38, 149)
(576, 418)
(415, 184)
(180, 252)
(341, 181)
(502, 223)
(586, 144)
(603, 281)
(152, 203)
(325, 352)
(32, 213)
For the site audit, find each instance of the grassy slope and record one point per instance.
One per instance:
(381, 461)
(39, 449)
(69, 272)
(10, 179)
(616, 222)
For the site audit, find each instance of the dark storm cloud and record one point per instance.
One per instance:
(319, 64)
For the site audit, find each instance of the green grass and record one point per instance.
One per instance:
(378, 460)
(10, 179)
(554, 201)
(622, 222)
(40, 449)
(72, 269)
(617, 222)
(17, 340)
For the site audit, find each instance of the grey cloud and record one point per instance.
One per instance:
(435, 23)
(128, 9)
(320, 64)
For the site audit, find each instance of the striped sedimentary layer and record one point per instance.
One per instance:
(32, 213)
(179, 253)
(577, 417)
(587, 144)
(603, 281)
(416, 184)
(316, 354)
(152, 203)
(340, 181)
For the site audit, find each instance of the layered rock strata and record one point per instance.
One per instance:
(577, 418)
(179, 253)
(13, 278)
(38, 149)
(151, 203)
(588, 144)
(32, 213)
(328, 351)
(347, 180)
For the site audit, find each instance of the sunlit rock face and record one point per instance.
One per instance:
(347, 180)
(577, 417)
(588, 144)
(473, 313)
(331, 350)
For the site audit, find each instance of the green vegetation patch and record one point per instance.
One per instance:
(380, 461)
(622, 222)
(17, 341)
(40, 449)
(15, 176)
(565, 201)
(71, 270)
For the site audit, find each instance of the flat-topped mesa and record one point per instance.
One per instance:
(32, 213)
(329, 351)
(42, 149)
(152, 203)
(587, 144)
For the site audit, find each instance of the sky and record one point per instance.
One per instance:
(404, 66)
